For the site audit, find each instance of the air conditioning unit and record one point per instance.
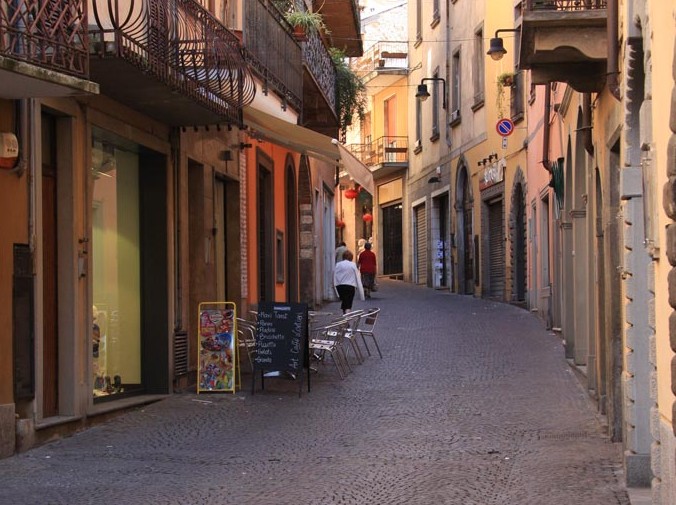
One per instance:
(455, 115)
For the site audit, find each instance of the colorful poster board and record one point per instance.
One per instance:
(216, 334)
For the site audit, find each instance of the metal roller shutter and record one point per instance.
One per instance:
(421, 244)
(496, 250)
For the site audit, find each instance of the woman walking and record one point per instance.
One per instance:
(347, 280)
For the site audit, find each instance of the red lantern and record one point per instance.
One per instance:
(351, 193)
(368, 217)
(340, 223)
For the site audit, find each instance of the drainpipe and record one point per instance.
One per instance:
(587, 123)
(613, 50)
(546, 128)
(448, 73)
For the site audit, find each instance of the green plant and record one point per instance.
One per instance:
(506, 79)
(350, 91)
(309, 22)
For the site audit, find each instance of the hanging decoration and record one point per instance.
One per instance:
(351, 193)
(368, 217)
(340, 223)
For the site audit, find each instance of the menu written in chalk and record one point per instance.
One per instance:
(281, 337)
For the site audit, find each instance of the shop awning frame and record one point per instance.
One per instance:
(308, 142)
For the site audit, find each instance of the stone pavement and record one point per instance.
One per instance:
(473, 404)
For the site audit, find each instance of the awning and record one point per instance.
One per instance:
(308, 142)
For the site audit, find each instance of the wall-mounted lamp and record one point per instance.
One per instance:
(435, 178)
(497, 49)
(423, 94)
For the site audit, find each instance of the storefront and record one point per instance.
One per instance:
(129, 344)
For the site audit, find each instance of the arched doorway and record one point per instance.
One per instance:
(464, 232)
(519, 238)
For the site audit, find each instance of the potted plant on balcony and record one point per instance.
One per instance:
(350, 91)
(305, 23)
(506, 79)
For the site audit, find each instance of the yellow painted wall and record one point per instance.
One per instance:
(399, 92)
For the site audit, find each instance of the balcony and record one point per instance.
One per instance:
(384, 155)
(44, 49)
(319, 88)
(274, 55)
(170, 59)
(342, 18)
(383, 64)
(565, 41)
(302, 74)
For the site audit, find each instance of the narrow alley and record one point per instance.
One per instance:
(473, 403)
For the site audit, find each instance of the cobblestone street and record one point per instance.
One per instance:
(472, 404)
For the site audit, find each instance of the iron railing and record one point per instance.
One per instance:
(383, 55)
(48, 33)
(181, 44)
(381, 151)
(272, 51)
(565, 5)
(317, 59)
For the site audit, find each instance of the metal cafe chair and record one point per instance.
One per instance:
(328, 340)
(366, 328)
(353, 318)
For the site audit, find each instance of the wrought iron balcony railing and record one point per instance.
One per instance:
(565, 5)
(381, 151)
(320, 65)
(272, 51)
(181, 44)
(48, 33)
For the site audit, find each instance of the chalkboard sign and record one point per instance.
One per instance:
(281, 337)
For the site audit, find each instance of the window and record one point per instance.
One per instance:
(436, 17)
(478, 79)
(279, 255)
(455, 88)
(435, 107)
(516, 101)
(418, 127)
(418, 21)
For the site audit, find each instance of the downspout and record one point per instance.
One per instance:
(448, 72)
(587, 123)
(546, 128)
(613, 50)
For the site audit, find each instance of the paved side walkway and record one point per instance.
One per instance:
(473, 404)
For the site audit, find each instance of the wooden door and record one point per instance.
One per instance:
(50, 339)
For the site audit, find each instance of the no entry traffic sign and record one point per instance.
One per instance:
(504, 127)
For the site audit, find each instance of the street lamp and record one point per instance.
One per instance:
(423, 94)
(497, 49)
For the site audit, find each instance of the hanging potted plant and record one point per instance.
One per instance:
(305, 23)
(506, 79)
